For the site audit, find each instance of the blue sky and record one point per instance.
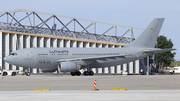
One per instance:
(136, 13)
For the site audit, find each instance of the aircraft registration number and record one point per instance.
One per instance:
(44, 62)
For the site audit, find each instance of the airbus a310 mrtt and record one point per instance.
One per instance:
(74, 59)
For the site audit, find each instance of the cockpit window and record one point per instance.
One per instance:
(13, 54)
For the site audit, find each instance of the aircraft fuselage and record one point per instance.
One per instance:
(48, 57)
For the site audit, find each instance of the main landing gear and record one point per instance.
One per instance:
(86, 73)
(90, 73)
(78, 73)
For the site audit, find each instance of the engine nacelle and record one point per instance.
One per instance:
(68, 66)
(46, 70)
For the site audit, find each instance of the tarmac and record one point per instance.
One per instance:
(68, 88)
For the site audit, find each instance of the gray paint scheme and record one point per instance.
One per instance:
(142, 47)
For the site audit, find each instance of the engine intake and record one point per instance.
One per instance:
(68, 66)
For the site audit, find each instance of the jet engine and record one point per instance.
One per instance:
(68, 66)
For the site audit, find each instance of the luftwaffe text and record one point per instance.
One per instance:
(58, 51)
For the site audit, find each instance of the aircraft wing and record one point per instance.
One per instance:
(157, 51)
(94, 58)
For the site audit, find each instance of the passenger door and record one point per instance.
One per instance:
(27, 57)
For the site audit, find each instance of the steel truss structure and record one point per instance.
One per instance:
(32, 26)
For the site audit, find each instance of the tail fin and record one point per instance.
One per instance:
(149, 36)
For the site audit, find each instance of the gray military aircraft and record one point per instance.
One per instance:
(74, 59)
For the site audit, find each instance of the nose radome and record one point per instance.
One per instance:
(6, 59)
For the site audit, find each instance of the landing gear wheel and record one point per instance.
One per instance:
(28, 74)
(13, 73)
(78, 73)
(91, 73)
(86, 73)
(4, 74)
(73, 73)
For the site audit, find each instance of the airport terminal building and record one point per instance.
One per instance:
(33, 29)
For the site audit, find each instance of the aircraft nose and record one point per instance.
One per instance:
(6, 59)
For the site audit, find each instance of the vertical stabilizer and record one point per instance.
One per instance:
(149, 36)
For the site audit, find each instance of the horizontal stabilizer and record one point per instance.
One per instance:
(157, 51)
